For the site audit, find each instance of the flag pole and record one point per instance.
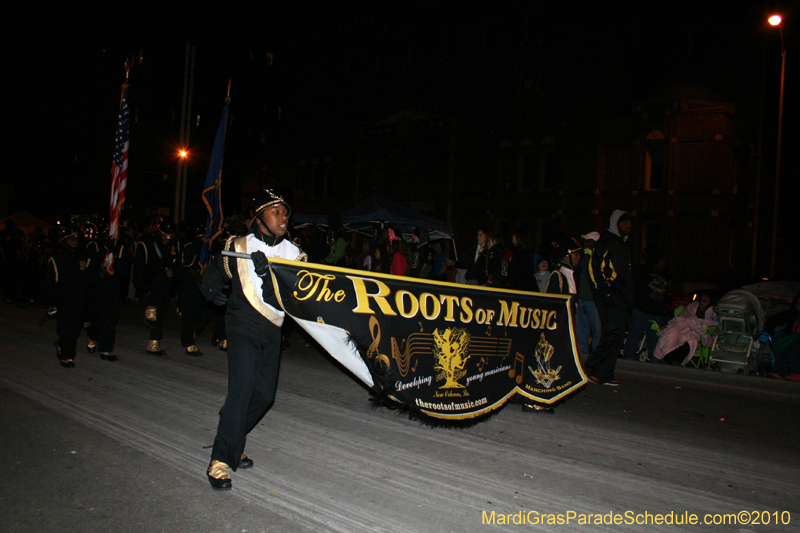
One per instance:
(212, 190)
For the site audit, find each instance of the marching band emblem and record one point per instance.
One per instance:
(451, 356)
(544, 375)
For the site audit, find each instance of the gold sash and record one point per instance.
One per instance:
(249, 290)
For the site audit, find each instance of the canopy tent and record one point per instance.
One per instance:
(374, 213)
(26, 222)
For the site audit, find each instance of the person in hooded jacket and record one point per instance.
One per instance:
(587, 319)
(422, 255)
(253, 326)
(611, 280)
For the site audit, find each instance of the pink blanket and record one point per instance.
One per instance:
(685, 328)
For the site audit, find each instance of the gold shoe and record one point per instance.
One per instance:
(91, 345)
(108, 356)
(219, 475)
(153, 348)
(193, 350)
(151, 313)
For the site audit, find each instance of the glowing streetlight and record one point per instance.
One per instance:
(775, 20)
(183, 154)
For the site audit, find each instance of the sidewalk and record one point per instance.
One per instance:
(694, 376)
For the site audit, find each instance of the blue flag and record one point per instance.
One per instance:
(211, 190)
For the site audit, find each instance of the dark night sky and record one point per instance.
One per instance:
(66, 69)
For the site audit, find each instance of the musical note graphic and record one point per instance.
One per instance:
(519, 361)
(489, 329)
(482, 364)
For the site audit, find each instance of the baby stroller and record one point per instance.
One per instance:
(741, 318)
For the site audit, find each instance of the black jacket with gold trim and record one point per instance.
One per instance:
(247, 313)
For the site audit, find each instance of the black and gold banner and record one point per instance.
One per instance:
(445, 350)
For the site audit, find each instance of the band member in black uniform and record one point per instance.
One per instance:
(123, 262)
(153, 271)
(64, 292)
(103, 299)
(89, 249)
(196, 311)
(253, 324)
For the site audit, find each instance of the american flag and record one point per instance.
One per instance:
(119, 174)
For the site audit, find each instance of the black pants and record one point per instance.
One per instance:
(196, 311)
(103, 313)
(219, 322)
(252, 376)
(614, 320)
(159, 298)
(69, 322)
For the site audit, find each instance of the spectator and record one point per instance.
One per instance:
(338, 244)
(522, 268)
(679, 339)
(477, 256)
(368, 260)
(422, 258)
(496, 262)
(587, 319)
(399, 265)
(785, 342)
(440, 262)
(542, 274)
(649, 293)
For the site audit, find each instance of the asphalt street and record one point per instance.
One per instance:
(123, 446)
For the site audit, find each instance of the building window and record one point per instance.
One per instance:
(653, 238)
(548, 164)
(530, 164)
(507, 163)
(655, 161)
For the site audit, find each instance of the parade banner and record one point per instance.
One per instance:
(444, 350)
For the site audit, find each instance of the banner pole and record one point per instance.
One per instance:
(237, 255)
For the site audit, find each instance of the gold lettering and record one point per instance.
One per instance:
(480, 315)
(466, 310)
(524, 317)
(339, 296)
(508, 317)
(398, 300)
(551, 320)
(423, 304)
(449, 302)
(309, 282)
(325, 293)
(535, 318)
(362, 296)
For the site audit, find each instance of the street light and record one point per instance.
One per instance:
(775, 20)
(178, 214)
